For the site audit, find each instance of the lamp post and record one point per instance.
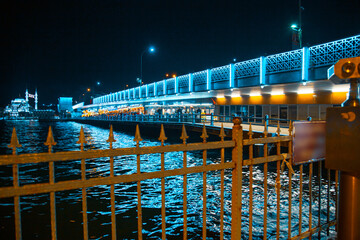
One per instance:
(150, 50)
(298, 29)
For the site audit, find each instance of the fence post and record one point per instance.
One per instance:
(212, 119)
(237, 158)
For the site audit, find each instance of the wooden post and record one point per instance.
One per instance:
(237, 157)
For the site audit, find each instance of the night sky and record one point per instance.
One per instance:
(64, 47)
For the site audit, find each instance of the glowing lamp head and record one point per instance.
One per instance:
(151, 49)
(98, 83)
(174, 75)
(294, 26)
(88, 89)
(348, 68)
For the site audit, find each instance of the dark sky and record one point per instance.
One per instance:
(63, 47)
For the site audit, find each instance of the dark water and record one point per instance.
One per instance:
(35, 209)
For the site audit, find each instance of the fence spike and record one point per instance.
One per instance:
(82, 141)
(250, 131)
(162, 136)
(184, 136)
(204, 135)
(14, 143)
(265, 130)
(137, 137)
(278, 130)
(111, 138)
(222, 132)
(50, 139)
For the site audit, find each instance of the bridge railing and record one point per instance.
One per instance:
(190, 118)
(284, 201)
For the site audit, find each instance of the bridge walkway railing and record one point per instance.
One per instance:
(208, 119)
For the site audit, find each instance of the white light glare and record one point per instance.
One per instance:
(341, 88)
(235, 94)
(220, 96)
(279, 92)
(255, 94)
(305, 91)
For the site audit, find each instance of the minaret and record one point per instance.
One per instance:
(36, 99)
(27, 95)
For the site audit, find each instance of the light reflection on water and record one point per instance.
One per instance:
(36, 208)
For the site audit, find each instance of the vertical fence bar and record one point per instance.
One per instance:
(162, 138)
(319, 193)
(112, 192)
(290, 175)
(237, 158)
(222, 191)
(278, 186)
(251, 180)
(163, 213)
(82, 141)
(300, 198)
(50, 142)
(110, 140)
(137, 139)
(184, 136)
(204, 136)
(265, 183)
(310, 198)
(15, 172)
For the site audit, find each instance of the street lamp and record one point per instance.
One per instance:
(298, 30)
(150, 50)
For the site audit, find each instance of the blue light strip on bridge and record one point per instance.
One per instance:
(305, 64)
(262, 71)
(315, 56)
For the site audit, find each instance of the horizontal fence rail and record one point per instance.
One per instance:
(295, 201)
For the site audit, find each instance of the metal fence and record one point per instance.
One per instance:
(276, 150)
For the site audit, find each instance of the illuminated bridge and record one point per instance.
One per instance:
(290, 85)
